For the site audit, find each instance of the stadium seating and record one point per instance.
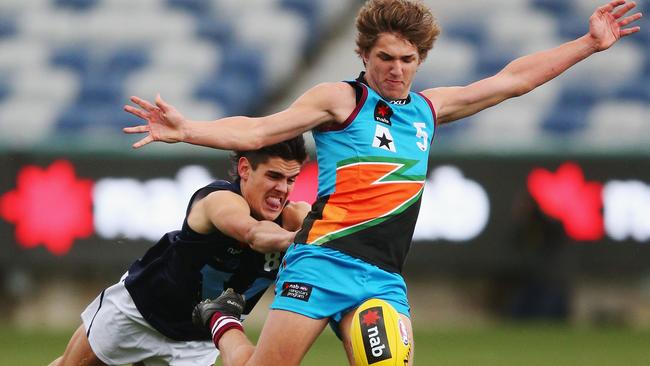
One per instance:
(78, 61)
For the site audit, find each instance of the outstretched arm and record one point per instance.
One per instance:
(317, 106)
(229, 213)
(606, 27)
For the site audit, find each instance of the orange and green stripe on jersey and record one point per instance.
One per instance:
(368, 191)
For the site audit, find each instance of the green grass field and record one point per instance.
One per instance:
(503, 346)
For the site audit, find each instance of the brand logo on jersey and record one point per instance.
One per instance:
(400, 101)
(296, 290)
(383, 112)
(383, 139)
(373, 329)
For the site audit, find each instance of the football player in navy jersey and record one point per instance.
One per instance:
(373, 137)
(233, 236)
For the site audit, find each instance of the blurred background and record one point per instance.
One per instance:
(536, 213)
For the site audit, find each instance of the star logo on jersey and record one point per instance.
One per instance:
(370, 317)
(383, 112)
(50, 206)
(383, 139)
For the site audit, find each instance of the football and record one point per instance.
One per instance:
(379, 336)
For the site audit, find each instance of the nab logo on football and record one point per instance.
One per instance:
(373, 329)
(383, 113)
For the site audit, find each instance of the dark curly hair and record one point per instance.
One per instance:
(292, 149)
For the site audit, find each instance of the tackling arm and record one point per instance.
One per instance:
(267, 236)
(229, 213)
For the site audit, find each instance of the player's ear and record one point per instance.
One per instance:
(244, 168)
(364, 57)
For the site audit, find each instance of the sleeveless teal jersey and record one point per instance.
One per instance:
(371, 173)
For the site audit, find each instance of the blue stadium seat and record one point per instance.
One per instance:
(238, 59)
(81, 5)
(7, 26)
(98, 88)
(571, 28)
(101, 77)
(581, 94)
(637, 89)
(236, 92)
(471, 32)
(126, 60)
(83, 118)
(4, 88)
(195, 7)
(77, 116)
(556, 7)
(311, 10)
(567, 119)
(491, 60)
(211, 29)
(78, 59)
(643, 36)
(570, 112)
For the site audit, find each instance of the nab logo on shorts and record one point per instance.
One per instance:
(296, 290)
(383, 113)
(373, 330)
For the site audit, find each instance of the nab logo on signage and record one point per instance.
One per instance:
(373, 329)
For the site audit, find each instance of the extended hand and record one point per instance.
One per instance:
(164, 122)
(606, 23)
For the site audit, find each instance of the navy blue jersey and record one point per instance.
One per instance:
(185, 267)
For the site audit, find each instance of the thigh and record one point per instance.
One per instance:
(117, 332)
(78, 351)
(286, 338)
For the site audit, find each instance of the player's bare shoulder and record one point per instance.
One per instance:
(338, 98)
(219, 204)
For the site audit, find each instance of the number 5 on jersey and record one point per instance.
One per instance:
(423, 134)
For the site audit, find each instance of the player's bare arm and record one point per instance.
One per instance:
(606, 27)
(267, 236)
(319, 105)
(294, 214)
(225, 211)
(229, 213)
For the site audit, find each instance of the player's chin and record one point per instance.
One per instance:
(394, 93)
(271, 213)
